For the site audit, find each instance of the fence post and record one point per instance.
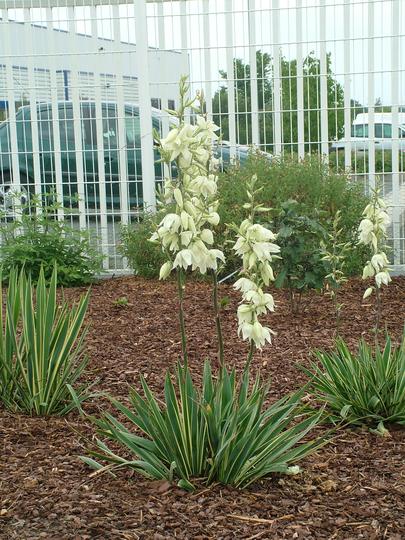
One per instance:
(145, 108)
(254, 102)
(396, 212)
(277, 85)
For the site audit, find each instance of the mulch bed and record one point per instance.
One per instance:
(352, 488)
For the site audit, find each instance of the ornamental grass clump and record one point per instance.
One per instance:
(41, 348)
(223, 432)
(363, 387)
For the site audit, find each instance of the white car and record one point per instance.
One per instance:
(383, 136)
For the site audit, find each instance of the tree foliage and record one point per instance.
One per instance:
(289, 101)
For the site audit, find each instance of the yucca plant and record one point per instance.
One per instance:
(41, 348)
(249, 441)
(367, 387)
(176, 443)
(222, 434)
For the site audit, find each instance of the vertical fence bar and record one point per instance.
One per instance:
(122, 138)
(231, 75)
(33, 111)
(253, 72)
(77, 117)
(276, 78)
(207, 56)
(145, 109)
(163, 89)
(396, 211)
(55, 116)
(347, 85)
(323, 82)
(371, 95)
(100, 140)
(300, 81)
(15, 163)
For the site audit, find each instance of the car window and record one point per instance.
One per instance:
(360, 130)
(24, 135)
(133, 130)
(387, 131)
(379, 131)
(45, 134)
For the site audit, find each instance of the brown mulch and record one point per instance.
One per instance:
(352, 488)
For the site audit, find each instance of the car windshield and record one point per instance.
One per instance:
(381, 131)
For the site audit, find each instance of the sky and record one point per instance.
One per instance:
(166, 29)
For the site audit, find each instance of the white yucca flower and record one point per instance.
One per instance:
(185, 234)
(255, 244)
(373, 233)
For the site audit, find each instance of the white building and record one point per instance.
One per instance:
(111, 64)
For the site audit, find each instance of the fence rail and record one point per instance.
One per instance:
(83, 83)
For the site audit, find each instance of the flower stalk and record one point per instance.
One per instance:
(256, 245)
(373, 233)
(217, 311)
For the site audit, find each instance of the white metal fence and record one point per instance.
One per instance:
(82, 84)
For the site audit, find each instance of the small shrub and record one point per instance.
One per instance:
(39, 240)
(223, 434)
(41, 348)
(301, 267)
(318, 191)
(367, 387)
(144, 257)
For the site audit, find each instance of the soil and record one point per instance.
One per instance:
(352, 488)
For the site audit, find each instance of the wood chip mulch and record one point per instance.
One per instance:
(352, 488)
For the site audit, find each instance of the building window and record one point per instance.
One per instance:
(156, 103)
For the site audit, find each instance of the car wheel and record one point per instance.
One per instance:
(10, 196)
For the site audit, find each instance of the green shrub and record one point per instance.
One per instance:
(221, 434)
(144, 257)
(301, 266)
(365, 387)
(39, 240)
(319, 193)
(41, 348)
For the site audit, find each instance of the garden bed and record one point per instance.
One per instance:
(353, 488)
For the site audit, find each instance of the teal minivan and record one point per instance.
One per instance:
(111, 145)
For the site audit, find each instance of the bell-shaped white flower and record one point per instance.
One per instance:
(165, 270)
(184, 259)
(245, 285)
(382, 278)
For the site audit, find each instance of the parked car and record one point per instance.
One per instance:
(360, 133)
(90, 143)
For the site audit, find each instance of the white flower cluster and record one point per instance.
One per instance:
(255, 244)
(185, 234)
(372, 232)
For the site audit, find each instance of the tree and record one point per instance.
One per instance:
(289, 102)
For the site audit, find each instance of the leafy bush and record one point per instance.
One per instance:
(37, 239)
(301, 266)
(364, 387)
(41, 348)
(319, 193)
(222, 434)
(144, 257)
